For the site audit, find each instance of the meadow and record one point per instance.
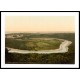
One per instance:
(33, 43)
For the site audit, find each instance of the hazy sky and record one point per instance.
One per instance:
(40, 23)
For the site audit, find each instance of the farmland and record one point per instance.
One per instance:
(37, 41)
(33, 44)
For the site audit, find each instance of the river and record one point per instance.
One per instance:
(62, 49)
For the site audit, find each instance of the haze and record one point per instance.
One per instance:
(40, 24)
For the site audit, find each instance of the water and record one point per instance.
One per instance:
(62, 49)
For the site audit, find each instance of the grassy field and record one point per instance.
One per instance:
(59, 58)
(33, 44)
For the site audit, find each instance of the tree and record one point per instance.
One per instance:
(6, 54)
(6, 51)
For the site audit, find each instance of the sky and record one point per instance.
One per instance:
(40, 24)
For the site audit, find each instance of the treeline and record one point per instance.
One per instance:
(67, 36)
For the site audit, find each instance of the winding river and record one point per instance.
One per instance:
(62, 49)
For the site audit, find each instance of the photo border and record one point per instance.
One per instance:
(40, 11)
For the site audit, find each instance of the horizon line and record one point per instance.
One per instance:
(38, 32)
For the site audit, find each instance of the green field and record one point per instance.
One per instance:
(34, 58)
(33, 43)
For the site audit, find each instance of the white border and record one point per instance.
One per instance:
(39, 13)
(3, 65)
